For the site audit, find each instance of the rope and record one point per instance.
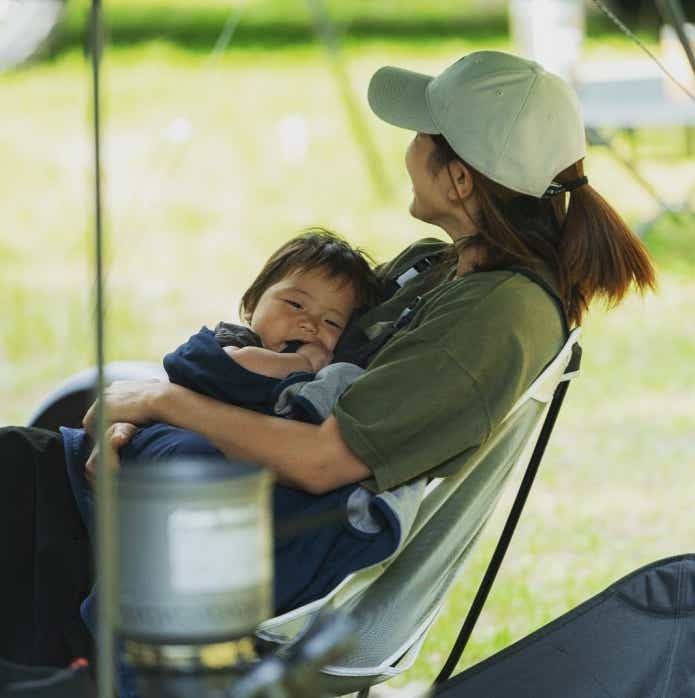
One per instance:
(673, 9)
(230, 27)
(173, 157)
(626, 30)
(325, 30)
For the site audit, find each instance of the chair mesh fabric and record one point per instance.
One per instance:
(419, 577)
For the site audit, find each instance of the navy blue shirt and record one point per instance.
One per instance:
(203, 366)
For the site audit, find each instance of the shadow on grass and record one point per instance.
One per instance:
(198, 28)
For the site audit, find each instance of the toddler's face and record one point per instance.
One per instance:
(307, 306)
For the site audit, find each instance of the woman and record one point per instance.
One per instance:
(497, 163)
(499, 141)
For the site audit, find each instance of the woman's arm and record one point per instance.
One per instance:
(310, 457)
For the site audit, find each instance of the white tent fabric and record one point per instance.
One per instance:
(396, 601)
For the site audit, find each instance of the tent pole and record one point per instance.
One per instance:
(106, 567)
(327, 35)
(674, 11)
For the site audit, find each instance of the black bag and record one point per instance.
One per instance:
(44, 553)
(636, 638)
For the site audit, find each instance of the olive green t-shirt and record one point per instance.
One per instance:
(435, 391)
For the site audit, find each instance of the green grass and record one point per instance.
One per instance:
(196, 24)
(190, 221)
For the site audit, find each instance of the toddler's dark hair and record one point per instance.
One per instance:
(315, 248)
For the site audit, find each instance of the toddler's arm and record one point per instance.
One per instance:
(275, 365)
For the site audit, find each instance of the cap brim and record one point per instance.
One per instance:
(399, 97)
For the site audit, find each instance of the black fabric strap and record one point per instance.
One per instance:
(363, 353)
(540, 281)
(355, 346)
(556, 188)
(421, 265)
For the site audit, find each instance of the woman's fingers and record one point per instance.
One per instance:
(120, 433)
(89, 420)
(117, 436)
(125, 401)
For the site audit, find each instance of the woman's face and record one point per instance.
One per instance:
(445, 198)
(430, 203)
(307, 306)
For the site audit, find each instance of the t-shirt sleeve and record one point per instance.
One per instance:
(433, 394)
(414, 410)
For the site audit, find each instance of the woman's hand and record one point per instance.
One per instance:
(117, 436)
(127, 401)
(128, 404)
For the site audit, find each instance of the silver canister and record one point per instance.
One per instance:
(195, 552)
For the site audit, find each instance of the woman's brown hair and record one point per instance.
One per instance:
(315, 248)
(586, 244)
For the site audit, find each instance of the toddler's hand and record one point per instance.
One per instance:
(317, 355)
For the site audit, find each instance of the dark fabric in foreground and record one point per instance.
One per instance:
(18, 681)
(44, 552)
(634, 640)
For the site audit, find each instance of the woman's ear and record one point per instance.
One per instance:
(461, 181)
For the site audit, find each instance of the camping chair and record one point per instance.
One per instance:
(395, 602)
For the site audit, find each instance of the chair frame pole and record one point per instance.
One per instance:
(511, 523)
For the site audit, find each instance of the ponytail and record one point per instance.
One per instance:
(599, 254)
(585, 244)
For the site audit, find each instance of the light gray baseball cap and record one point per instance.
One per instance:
(506, 116)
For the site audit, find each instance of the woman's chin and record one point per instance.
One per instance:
(417, 212)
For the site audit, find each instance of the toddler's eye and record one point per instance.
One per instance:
(294, 304)
(334, 324)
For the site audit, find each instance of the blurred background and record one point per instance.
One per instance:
(231, 125)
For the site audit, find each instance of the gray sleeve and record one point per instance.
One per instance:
(319, 394)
